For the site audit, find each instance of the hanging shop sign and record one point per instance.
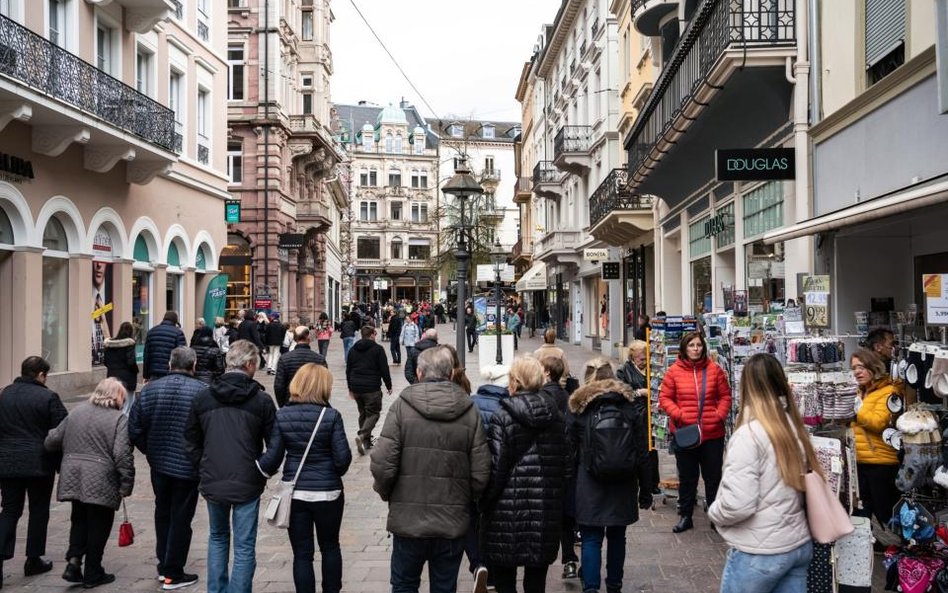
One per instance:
(262, 302)
(935, 287)
(595, 254)
(756, 164)
(14, 169)
(291, 240)
(232, 211)
(610, 270)
(816, 293)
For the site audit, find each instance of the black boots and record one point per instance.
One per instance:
(35, 566)
(73, 572)
(684, 524)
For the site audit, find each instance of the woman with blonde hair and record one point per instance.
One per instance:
(524, 498)
(318, 500)
(759, 508)
(98, 471)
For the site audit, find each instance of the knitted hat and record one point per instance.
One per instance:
(496, 374)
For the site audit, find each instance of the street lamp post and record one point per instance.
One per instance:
(499, 257)
(462, 186)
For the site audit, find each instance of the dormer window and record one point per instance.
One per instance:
(487, 131)
(457, 130)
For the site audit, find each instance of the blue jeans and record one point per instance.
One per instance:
(409, 555)
(591, 552)
(245, 546)
(766, 573)
(346, 346)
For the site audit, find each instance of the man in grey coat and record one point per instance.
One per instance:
(431, 463)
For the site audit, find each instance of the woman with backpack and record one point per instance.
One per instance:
(609, 430)
(695, 394)
(759, 508)
(523, 502)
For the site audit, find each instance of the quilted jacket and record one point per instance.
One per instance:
(120, 362)
(431, 461)
(28, 411)
(287, 366)
(873, 418)
(679, 396)
(755, 511)
(523, 503)
(159, 342)
(614, 503)
(98, 462)
(329, 457)
(487, 399)
(411, 362)
(157, 420)
(210, 360)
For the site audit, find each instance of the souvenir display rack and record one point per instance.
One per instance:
(662, 351)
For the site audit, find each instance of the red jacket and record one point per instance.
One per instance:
(679, 397)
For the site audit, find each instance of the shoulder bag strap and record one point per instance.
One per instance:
(308, 445)
(704, 390)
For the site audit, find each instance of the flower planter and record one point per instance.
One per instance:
(487, 350)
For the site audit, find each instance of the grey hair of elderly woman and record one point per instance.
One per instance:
(109, 393)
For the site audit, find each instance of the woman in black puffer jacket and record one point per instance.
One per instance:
(210, 360)
(318, 499)
(523, 505)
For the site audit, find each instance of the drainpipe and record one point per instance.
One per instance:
(800, 253)
(266, 145)
(816, 65)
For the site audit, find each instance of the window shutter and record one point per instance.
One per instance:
(885, 28)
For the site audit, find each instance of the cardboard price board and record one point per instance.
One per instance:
(816, 299)
(935, 287)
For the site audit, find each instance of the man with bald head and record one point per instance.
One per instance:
(291, 362)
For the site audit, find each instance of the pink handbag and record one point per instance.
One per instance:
(826, 516)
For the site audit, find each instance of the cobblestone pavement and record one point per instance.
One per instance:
(656, 559)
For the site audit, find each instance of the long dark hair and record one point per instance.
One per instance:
(125, 331)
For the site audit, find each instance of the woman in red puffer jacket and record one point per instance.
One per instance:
(679, 398)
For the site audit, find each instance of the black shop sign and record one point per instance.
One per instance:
(756, 164)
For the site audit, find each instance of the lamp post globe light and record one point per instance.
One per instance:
(499, 257)
(462, 186)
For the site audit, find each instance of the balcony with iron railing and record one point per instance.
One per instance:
(522, 251)
(648, 15)
(616, 215)
(546, 180)
(178, 9)
(67, 100)
(203, 31)
(571, 149)
(490, 179)
(742, 43)
(523, 190)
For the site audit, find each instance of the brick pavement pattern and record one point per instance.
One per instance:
(656, 559)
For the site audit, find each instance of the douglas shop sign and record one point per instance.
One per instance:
(758, 164)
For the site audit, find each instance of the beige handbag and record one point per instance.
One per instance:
(826, 516)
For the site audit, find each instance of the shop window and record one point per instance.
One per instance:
(55, 295)
(700, 241)
(235, 262)
(765, 275)
(141, 307)
(763, 209)
(725, 238)
(174, 293)
(701, 285)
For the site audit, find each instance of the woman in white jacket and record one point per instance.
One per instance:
(759, 508)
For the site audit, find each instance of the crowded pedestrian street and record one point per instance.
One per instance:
(656, 561)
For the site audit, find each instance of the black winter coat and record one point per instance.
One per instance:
(160, 341)
(286, 369)
(347, 329)
(411, 362)
(367, 367)
(275, 333)
(603, 504)
(229, 424)
(157, 421)
(28, 411)
(523, 504)
(120, 362)
(631, 376)
(395, 327)
(247, 330)
(329, 457)
(210, 360)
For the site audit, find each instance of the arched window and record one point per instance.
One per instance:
(388, 142)
(398, 143)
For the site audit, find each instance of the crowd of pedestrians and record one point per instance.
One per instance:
(512, 475)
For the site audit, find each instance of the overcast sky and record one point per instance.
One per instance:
(465, 58)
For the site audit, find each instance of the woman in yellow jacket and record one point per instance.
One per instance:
(877, 464)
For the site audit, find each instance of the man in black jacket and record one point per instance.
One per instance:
(429, 339)
(159, 342)
(276, 331)
(28, 410)
(229, 424)
(366, 370)
(394, 335)
(292, 361)
(156, 426)
(247, 330)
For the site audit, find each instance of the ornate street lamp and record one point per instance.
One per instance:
(462, 186)
(499, 257)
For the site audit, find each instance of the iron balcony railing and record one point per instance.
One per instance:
(178, 9)
(595, 28)
(44, 66)
(613, 194)
(637, 4)
(490, 175)
(719, 25)
(522, 185)
(203, 31)
(545, 172)
(204, 154)
(571, 139)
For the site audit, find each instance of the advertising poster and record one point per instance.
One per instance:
(480, 311)
(101, 295)
(215, 299)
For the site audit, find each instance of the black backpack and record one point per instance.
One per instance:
(611, 449)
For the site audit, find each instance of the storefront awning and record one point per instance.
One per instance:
(918, 196)
(533, 279)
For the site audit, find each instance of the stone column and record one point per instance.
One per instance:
(191, 310)
(158, 288)
(81, 306)
(21, 318)
(121, 292)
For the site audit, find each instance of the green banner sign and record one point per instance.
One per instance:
(215, 299)
(232, 211)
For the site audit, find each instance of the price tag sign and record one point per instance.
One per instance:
(816, 301)
(935, 287)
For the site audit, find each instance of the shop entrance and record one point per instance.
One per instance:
(236, 259)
